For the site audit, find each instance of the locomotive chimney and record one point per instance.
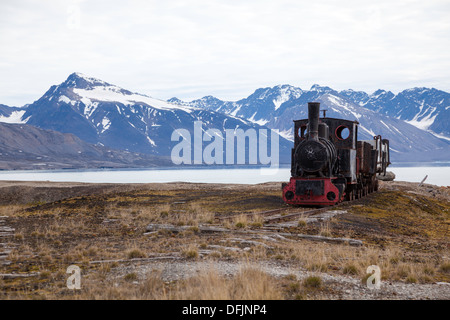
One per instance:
(313, 120)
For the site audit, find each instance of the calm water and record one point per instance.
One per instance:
(439, 175)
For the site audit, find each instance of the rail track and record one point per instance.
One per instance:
(276, 215)
(293, 215)
(290, 213)
(6, 232)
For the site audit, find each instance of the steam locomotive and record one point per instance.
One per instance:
(329, 164)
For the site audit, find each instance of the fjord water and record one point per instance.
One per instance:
(438, 174)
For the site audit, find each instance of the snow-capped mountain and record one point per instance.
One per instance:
(425, 108)
(277, 107)
(102, 113)
(256, 108)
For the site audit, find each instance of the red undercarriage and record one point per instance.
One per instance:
(312, 191)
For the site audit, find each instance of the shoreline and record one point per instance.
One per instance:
(439, 176)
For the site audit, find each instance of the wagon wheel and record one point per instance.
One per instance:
(348, 196)
(351, 195)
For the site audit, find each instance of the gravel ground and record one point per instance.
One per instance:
(345, 287)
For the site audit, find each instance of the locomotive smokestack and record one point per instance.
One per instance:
(313, 120)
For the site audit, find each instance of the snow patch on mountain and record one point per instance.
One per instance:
(343, 104)
(278, 102)
(260, 122)
(106, 123)
(151, 141)
(423, 123)
(287, 134)
(65, 99)
(14, 117)
(114, 94)
(369, 131)
(440, 136)
(285, 94)
(235, 111)
(424, 119)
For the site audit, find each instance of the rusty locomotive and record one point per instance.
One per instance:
(329, 164)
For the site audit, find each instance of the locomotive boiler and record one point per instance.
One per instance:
(329, 164)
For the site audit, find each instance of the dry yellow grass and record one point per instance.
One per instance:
(248, 284)
(50, 237)
(10, 210)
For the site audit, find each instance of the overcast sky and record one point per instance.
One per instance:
(227, 49)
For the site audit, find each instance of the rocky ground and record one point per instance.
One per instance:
(202, 241)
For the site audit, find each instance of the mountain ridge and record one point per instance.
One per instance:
(276, 107)
(104, 114)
